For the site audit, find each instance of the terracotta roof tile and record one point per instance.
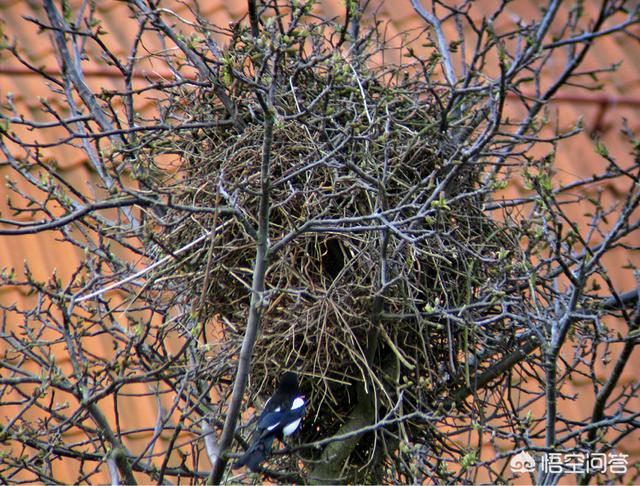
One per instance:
(575, 156)
(398, 11)
(615, 262)
(603, 369)
(222, 16)
(14, 18)
(44, 252)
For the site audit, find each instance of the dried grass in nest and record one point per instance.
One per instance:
(322, 284)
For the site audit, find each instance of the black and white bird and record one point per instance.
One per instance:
(280, 418)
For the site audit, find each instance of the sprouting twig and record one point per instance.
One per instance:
(362, 93)
(213, 451)
(443, 46)
(142, 272)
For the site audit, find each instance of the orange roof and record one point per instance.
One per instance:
(602, 112)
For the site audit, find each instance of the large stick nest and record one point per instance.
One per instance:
(379, 280)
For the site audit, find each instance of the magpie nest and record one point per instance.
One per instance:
(382, 263)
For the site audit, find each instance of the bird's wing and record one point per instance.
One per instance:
(269, 420)
(276, 416)
(270, 413)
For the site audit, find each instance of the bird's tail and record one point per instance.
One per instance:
(256, 453)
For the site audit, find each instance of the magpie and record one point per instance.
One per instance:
(280, 418)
